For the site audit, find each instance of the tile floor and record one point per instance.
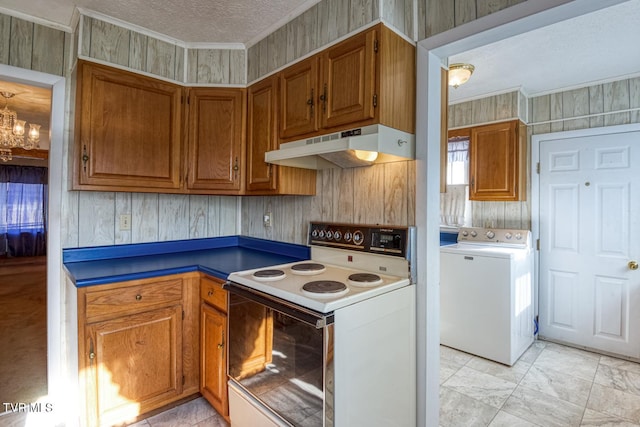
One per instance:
(551, 385)
(195, 413)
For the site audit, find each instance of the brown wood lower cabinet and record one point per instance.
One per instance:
(213, 340)
(138, 362)
(138, 346)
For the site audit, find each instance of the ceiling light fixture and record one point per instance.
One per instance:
(12, 131)
(459, 74)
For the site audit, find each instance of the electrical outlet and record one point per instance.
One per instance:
(266, 219)
(125, 222)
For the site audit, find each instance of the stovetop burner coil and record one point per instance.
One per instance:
(268, 275)
(308, 268)
(365, 279)
(325, 288)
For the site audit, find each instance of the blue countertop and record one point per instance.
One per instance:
(448, 237)
(215, 256)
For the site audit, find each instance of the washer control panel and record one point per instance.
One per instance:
(388, 240)
(495, 236)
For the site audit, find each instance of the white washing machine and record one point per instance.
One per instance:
(486, 293)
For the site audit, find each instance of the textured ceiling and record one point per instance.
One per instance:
(595, 47)
(191, 21)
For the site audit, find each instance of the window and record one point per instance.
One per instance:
(455, 208)
(458, 161)
(23, 208)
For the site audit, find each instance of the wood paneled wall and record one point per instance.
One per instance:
(437, 16)
(114, 44)
(593, 106)
(501, 107)
(93, 218)
(32, 46)
(322, 24)
(379, 194)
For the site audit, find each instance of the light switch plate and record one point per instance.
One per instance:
(125, 222)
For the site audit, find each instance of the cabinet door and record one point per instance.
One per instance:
(494, 162)
(262, 134)
(298, 93)
(216, 139)
(213, 372)
(136, 363)
(348, 70)
(128, 131)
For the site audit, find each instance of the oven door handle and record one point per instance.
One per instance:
(310, 317)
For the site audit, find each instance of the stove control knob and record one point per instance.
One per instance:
(314, 233)
(490, 234)
(329, 235)
(358, 237)
(518, 236)
(321, 234)
(474, 233)
(337, 235)
(465, 233)
(508, 236)
(347, 236)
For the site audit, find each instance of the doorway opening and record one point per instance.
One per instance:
(24, 176)
(59, 353)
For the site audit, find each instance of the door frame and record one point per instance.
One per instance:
(536, 140)
(57, 384)
(431, 55)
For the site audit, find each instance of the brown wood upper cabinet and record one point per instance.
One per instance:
(497, 161)
(128, 131)
(366, 79)
(216, 140)
(136, 133)
(262, 136)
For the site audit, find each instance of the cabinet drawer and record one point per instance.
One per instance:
(135, 298)
(211, 292)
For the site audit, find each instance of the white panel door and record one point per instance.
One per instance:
(589, 235)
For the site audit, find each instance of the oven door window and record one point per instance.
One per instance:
(279, 360)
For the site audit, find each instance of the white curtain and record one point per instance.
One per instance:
(453, 204)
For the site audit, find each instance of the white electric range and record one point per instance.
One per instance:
(324, 320)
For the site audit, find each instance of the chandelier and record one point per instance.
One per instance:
(12, 131)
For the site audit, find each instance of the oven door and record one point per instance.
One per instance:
(280, 358)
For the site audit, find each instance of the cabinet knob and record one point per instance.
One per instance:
(85, 158)
(210, 293)
(633, 265)
(92, 355)
(221, 345)
(138, 297)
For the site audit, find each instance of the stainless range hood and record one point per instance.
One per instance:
(363, 146)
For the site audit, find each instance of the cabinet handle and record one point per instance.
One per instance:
(473, 183)
(269, 170)
(310, 102)
(138, 297)
(85, 158)
(221, 345)
(92, 355)
(324, 98)
(235, 169)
